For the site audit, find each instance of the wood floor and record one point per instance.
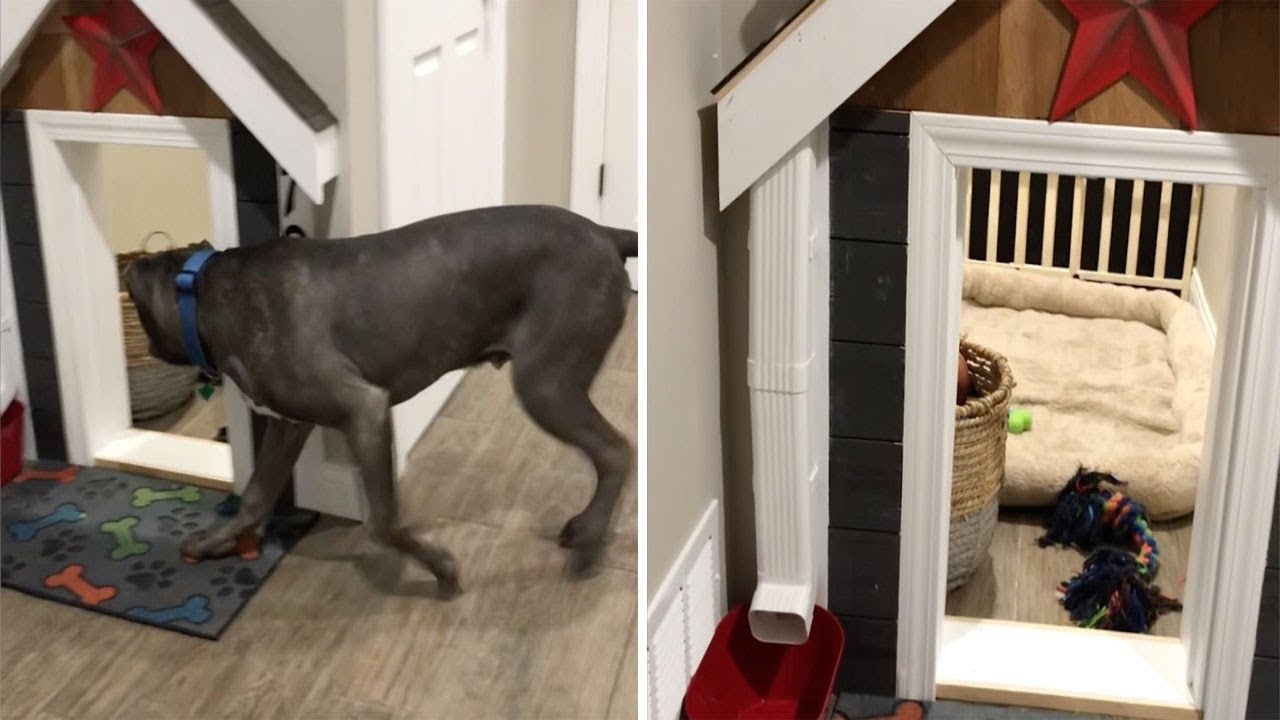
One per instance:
(1019, 579)
(338, 633)
(198, 418)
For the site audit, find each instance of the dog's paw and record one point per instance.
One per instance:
(583, 531)
(199, 546)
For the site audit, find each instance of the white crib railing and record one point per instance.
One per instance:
(1096, 264)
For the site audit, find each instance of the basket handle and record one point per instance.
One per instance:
(154, 233)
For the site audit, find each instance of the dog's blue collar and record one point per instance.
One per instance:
(186, 284)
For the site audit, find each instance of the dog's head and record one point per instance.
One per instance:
(149, 280)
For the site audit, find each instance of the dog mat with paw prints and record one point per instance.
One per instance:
(107, 540)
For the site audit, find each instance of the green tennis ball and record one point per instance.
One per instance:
(1019, 421)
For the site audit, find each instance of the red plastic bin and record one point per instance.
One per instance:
(10, 442)
(741, 677)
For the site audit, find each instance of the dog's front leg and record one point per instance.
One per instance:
(281, 446)
(368, 431)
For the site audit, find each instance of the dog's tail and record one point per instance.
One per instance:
(628, 241)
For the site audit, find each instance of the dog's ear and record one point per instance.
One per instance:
(205, 245)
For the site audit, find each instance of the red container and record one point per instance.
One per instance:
(10, 443)
(741, 677)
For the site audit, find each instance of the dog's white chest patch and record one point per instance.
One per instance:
(261, 409)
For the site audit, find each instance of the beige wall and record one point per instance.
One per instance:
(699, 411)
(332, 45)
(143, 189)
(684, 461)
(1221, 238)
(540, 54)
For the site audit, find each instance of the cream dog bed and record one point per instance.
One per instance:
(1116, 379)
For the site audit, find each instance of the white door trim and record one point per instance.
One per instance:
(83, 289)
(590, 73)
(590, 109)
(1238, 482)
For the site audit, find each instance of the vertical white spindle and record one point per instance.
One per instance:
(1162, 229)
(1077, 225)
(1050, 220)
(1104, 238)
(993, 216)
(1193, 236)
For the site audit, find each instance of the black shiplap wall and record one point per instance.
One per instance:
(23, 231)
(1264, 690)
(259, 221)
(257, 212)
(869, 165)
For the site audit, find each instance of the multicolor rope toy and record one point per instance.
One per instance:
(1115, 590)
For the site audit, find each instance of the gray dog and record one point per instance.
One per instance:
(336, 332)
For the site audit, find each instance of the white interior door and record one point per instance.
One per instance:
(605, 135)
(441, 109)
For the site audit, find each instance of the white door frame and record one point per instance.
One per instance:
(590, 74)
(1242, 446)
(590, 109)
(80, 274)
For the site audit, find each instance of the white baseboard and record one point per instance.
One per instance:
(1201, 303)
(683, 615)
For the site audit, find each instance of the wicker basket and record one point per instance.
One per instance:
(155, 387)
(978, 462)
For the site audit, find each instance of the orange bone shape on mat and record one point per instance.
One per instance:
(64, 476)
(72, 578)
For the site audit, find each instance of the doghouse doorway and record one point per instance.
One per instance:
(1208, 668)
(81, 275)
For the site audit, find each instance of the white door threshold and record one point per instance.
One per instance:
(194, 461)
(1064, 668)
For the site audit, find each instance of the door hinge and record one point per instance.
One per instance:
(600, 188)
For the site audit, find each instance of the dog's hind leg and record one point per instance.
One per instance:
(554, 393)
(281, 446)
(368, 432)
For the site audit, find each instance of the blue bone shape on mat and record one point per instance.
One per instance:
(64, 513)
(194, 610)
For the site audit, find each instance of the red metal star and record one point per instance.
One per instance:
(121, 41)
(1143, 38)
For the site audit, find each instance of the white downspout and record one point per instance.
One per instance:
(786, 373)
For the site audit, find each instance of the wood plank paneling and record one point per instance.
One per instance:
(866, 391)
(1039, 29)
(1235, 65)
(865, 485)
(869, 186)
(950, 67)
(1005, 59)
(868, 291)
(866, 564)
(869, 664)
(57, 74)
